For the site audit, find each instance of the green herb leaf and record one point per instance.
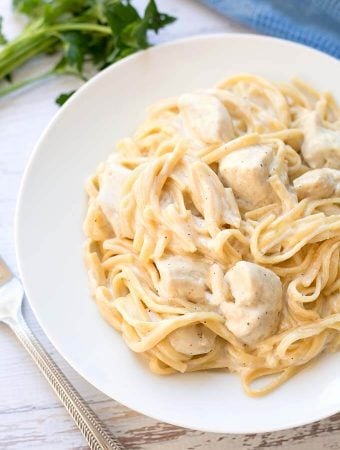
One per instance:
(65, 10)
(99, 32)
(62, 98)
(154, 19)
(75, 47)
(64, 68)
(135, 35)
(119, 15)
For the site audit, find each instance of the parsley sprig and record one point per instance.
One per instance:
(99, 32)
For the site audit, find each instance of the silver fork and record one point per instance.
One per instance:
(11, 296)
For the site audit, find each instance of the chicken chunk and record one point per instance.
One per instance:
(183, 277)
(253, 311)
(216, 204)
(206, 117)
(318, 183)
(321, 146)
(111, 182)
(247, 171)
(192, 340)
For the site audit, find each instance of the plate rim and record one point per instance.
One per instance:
(325, 412)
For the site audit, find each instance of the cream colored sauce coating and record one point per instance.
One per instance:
(112, 182)
(183, 276)
(318, 183)
(192, 340)
(321, 145)
(254, 310)
(247, 172)
(206, 117)
(214, 233)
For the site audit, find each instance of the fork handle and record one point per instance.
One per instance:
(94, 431)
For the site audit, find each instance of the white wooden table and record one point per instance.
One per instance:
(30, 415)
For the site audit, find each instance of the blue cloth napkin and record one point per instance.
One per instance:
(311, 22)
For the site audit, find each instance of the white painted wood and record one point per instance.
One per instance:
(30, 415)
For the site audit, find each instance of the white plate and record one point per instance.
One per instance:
(49, 235)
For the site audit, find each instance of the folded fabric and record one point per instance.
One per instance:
(311, 22)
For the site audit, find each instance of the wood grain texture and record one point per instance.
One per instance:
(31, 417)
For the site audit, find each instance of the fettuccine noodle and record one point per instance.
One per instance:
(214, 233)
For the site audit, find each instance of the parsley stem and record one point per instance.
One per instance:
(28, 48)
(96, 31)
(20, 84)
(39, 40)
(82, 27)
